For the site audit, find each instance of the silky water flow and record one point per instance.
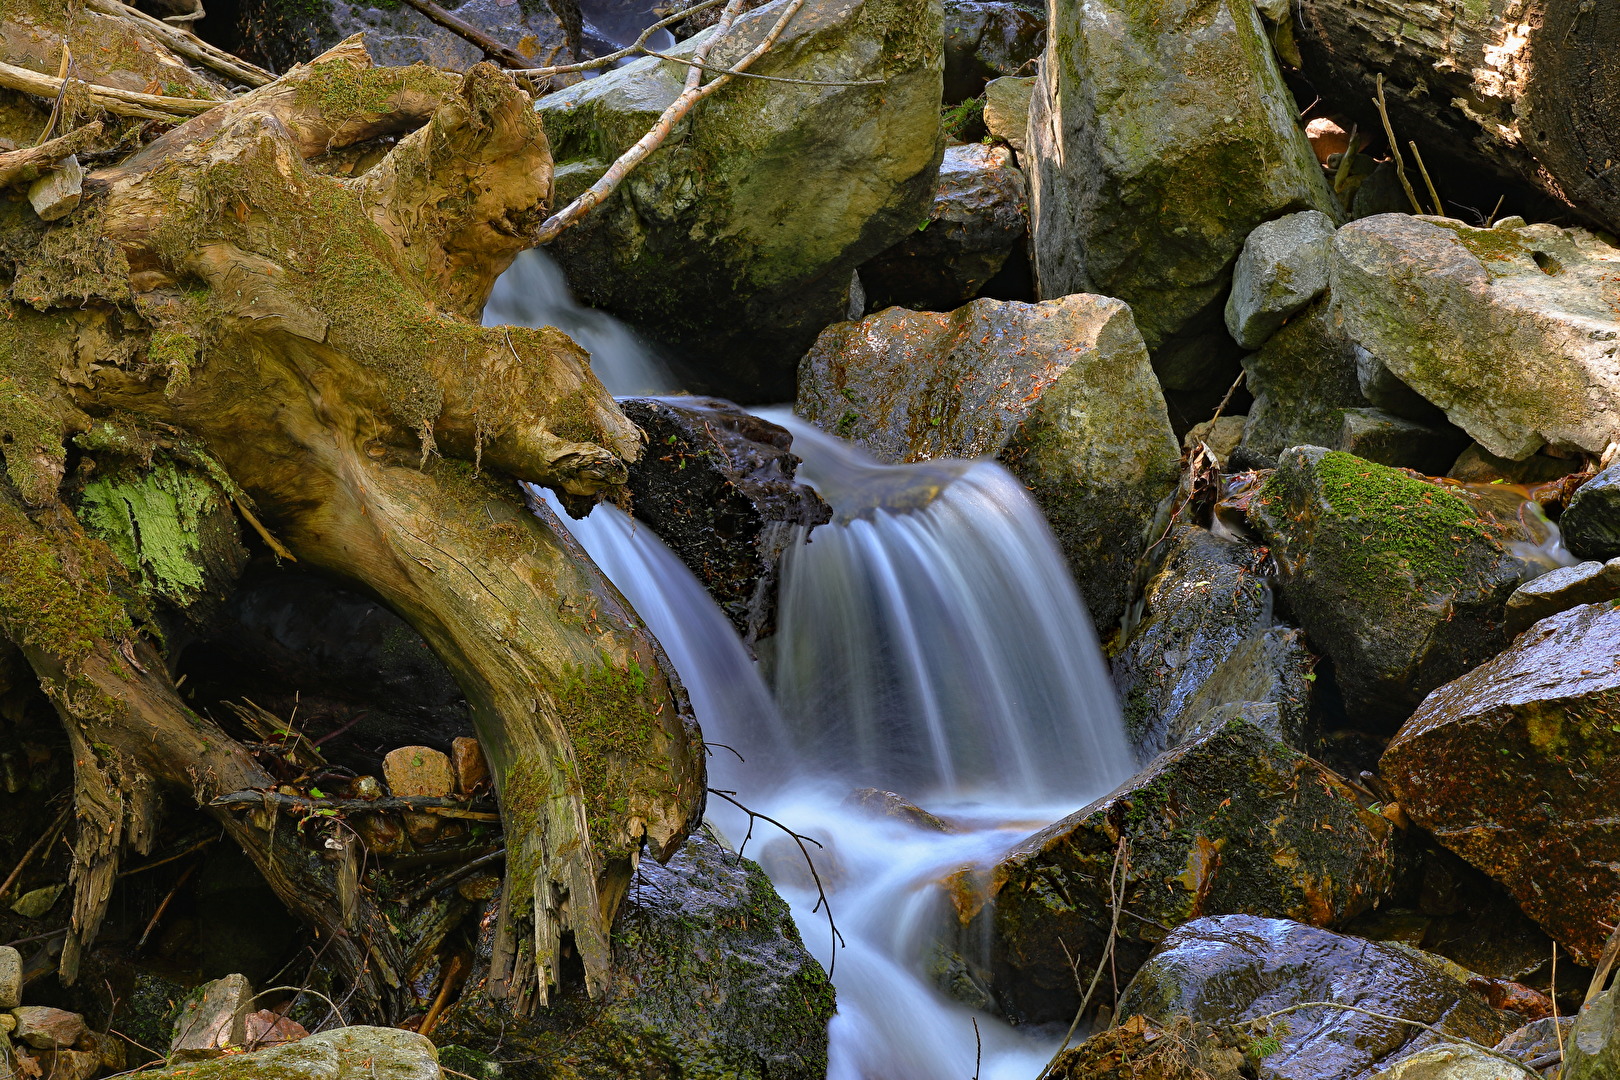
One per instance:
(930, 643)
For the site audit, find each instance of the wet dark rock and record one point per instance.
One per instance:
(1539, 1040)
(1561, 589)
(350, 667)
(1206, 639)
(1388, 439)
(988, 38)
(1402, 583)
(978, 218)
(1061, 392)
(1233, 822)
(710, 979)
(1514, 767)
(716, 484)
(1591, 522)
(1231, 968)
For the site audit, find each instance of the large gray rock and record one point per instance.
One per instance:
(1161, 136)
(1512, 331)
(1591, 522)
(1231, 968)
(1562, 589)
(349, 1053)
(1593, 1051)
(1283, 267)
(1061, 392)
(989, 38)
(978, 218)
(1206, 639)
(1006, 109)
(1233, 822)
(733, 243)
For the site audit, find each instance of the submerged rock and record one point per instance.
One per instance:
(1591, 522)
(989, 38)
(1512, 331)
(1233, 822)
(1282, 268)
(710, 979)
(1161, 136)
(1403, 584)
(734, 244)
(1232, 968)
(716, 484)
(978, 218)
(1061, 392)
(1206, 639)
(1514, 767)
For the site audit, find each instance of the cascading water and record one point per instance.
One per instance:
(930, 641)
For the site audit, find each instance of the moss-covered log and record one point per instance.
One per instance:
(265, 322)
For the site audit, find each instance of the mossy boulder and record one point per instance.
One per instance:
(1232, 822)
(1512, 331)
(734, 242)
(1061, 392)
(1591, 522)
(1161, 136)
(1514, 767)
(349, 1053)
(710, 979)
(1233, 968)
(1206, 639)
(1401, 583)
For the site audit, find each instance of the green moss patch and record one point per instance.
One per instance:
(153, 523)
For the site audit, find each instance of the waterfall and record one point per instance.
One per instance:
(932, 642)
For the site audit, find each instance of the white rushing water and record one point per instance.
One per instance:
(930, 642)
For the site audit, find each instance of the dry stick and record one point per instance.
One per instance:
(1494, 210)
(43, 841)
(694, 92)
(767, 78)
(168, 859)
(798, 838)
(1607, 960)
(1434, 196)
(1430, 1028)
(114, 100)
(1122, 855)
(167, 900)
(187, 45)
(978, 1048)
(416, 804)
(1395, 147)
(1552, 985)
(491, 48)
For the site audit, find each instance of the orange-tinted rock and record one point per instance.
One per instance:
(472, 771)
(418, 770)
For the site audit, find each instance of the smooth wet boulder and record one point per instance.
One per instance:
(1512, 331)
(1161, 136)
(733, 244)
(717, 485)
(710, 978)
(1060, 392)
(345, 1053)
(1233, 822)
(1591, 522)
(1206, 639)
(1561, 589)
(1514, 767)
(985, 39)
(1232, 968)
(1402, 583)
(978, 218)
(1282, 268)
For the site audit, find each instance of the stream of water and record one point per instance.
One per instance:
(932, 643)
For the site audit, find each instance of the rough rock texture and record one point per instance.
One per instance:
(1061, 392)
(989, 38)
(716, 484)
(1161, 136)
(733, 245)
(1512, 331)
(1177, 1050)
(45, 1028)
(1236, 967)
(711, 979)
(1514, 767)
(1283, 267)
(1006, 109)
(978, 218)
(11, 977)
(1591, 522)
(1206, 639)
(1388, 439)
(1455, 1062)
(349, 1053)
(212, 1019)
(1561, 589)
(419, 770)
(1401, 583)
(1539, 1039)
(1234, 822)
(1593, 1050)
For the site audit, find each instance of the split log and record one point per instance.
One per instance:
(1527, 88)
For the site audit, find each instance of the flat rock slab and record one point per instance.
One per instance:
(1515, 765)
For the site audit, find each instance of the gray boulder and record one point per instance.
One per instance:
(1282, 268)
(1593, 1051)
(1591, 522)
(1388, 439)
(733, 244)
(1160, 138)
(1006, 109)
(1230, 968)
(985, 39)
(978, 218)
(1061, 392)
(349, 1053)
(1512, 331)
(1562, 589)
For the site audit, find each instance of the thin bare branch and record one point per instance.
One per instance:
(114, 100)
(1116, 900)
(490, 47)
(1395, 147)
(186, 44)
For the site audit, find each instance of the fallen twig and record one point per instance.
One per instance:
(414, 804)
(798, 838)
(1430, 1028)
(1434, 196)
(1395, 147)
(110, 98)
(186, 44)
(490, 47)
